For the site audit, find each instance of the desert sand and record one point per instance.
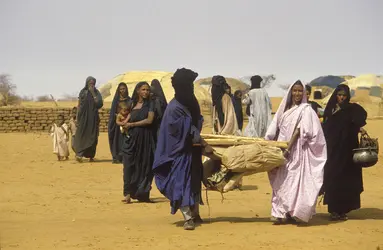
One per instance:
(46, 204)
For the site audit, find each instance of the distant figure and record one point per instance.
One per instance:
(88, 120)
(114, 134)
(60, 135)
(314, 105)
(73, 126)
(237, 102)
(160, 104)
(228, 90)
(258, 109)
(343, 181)
(224, 117)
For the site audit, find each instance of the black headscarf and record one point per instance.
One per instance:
(331, 104)
(135, 96)
(158, 93)
(183, 84)
(117, 98)
(308, 88)
(217, 91)
(256, 82)
(112, 133)
(88, 79)
(237, 102)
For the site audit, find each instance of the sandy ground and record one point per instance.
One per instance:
(46, 204)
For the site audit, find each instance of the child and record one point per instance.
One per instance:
(123, 117)
(60, 135)
(73, 125)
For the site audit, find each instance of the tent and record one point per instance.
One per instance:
(365, 90)
(201, 86)
(131, 78)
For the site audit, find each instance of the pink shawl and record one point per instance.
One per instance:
(296, 184)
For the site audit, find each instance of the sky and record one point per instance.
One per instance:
(51, 46)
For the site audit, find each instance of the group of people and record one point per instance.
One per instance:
(160, 140)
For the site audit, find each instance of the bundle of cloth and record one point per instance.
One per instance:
(224, 169)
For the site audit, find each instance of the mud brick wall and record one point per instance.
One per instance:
(38, 119)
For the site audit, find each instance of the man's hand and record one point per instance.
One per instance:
(208, 149)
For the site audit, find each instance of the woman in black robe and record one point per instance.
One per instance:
(114, 133)
(343, 183)
(237, 102)
(88, 120)
(138, 148)
(160, 104)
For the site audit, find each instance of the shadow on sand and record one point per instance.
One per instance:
(320, 219)
(230, 220)
(249, 187)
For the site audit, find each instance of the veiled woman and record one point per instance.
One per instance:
(296, 185)
(343, 182)
(88, 120)
(160, 104)
(237, 103)
(114, 133)
(224, 116)
(138, 148)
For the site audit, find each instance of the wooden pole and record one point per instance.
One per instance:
(53, 99)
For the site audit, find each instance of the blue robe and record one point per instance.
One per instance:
(177, 164)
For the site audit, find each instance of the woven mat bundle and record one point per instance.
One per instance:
(235, 157)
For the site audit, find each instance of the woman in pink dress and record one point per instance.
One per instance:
(296, 184)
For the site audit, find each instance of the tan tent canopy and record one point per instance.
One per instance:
(201, 86)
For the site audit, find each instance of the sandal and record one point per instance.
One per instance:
(334, 216)
(290, 220)
(343, 217)
(279, 221)
(127, 200)
(78, 159)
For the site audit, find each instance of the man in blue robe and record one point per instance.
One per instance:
(178, 158)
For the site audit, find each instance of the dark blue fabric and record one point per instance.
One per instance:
(177, 164)
(114, 133)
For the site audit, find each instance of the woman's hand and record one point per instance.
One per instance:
(362, 131)
(128, 125)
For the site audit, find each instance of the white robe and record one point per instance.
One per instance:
(260, 113)
(60, 140)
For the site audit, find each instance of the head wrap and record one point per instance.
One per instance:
(156, 89)
(183, 84)
(135, 96)
(333, 101)
(217, 91)
(286, 102)
(88, 79)
(256, 82)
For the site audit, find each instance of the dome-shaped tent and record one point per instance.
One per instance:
(328, 81)
(132, 78)
(366, 90)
